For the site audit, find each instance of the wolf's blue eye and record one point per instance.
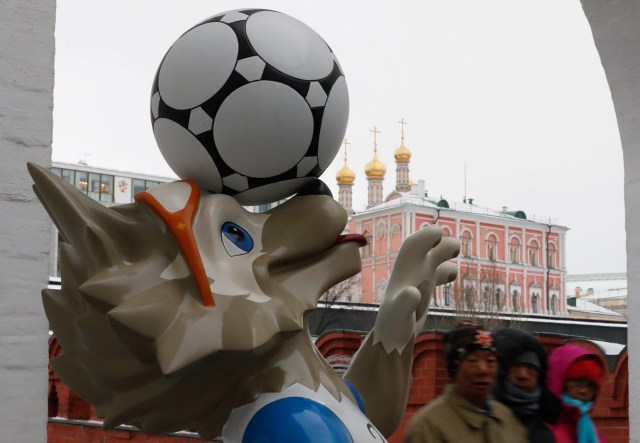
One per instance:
(236, 240)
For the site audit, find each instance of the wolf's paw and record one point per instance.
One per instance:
(422, 264)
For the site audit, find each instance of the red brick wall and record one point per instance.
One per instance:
(70, 433)
(610, 413)
(429, 379)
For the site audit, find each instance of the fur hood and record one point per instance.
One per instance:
(560, 360)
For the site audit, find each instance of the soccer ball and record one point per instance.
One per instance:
(250, 103)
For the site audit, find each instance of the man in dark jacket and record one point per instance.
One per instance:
(521, 382)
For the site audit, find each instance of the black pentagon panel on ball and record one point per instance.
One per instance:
(245, 49)
(316, 171)
(208, 143)
(234, 82)
(250, 12)
(328, 82)
(255, 182)
(180, 116)
(317, 114)
(271, 73)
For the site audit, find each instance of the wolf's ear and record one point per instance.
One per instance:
(81, 221)
(102, 236)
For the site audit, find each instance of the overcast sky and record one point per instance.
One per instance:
(515, 89)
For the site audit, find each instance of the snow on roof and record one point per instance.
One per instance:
(409, 198)
(611, 293)
(587, 306)
(609, 348)
(611, 285)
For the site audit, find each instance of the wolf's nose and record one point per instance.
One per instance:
(316, 187)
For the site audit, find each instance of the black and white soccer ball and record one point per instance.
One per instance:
(250, 103)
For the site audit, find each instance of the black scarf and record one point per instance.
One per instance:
(522, 402)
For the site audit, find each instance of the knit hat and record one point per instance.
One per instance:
(586, 367)
(462, 341)
(528, 358)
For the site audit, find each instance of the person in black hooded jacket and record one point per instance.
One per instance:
(521, 383)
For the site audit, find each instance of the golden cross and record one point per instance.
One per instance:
(346, 144)
(375, 131)
(402, 123)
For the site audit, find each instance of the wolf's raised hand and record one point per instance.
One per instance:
(421, 265)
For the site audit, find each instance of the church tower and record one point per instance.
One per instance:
(375, 171)
(403, 157)
(345, 178)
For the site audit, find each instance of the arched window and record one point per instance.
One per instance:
(551, 255)
(366, 250)
(466, 244)
(535, 299)
(469, 297)
(554, 304)
(498, 296)
(492, 247)
(514, 250)
(446, 294)
(515, 300)
(381, 228)
(396, 237)
(486, 298)
(534, 249)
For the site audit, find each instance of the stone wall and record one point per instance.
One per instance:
(615, 25)
(26, 105)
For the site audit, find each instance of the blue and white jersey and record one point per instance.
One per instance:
(300, 415)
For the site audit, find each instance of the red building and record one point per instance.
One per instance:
(508, 261)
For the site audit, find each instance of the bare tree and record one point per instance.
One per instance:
(478, 295)
(343, 292)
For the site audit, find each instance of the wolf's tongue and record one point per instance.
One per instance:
(357, 238)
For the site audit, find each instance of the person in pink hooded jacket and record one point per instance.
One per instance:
(575, 375)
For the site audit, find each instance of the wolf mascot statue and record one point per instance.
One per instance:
(185, 311)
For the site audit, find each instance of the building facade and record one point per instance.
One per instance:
(507, 263)
(106, 186)
(607, 290)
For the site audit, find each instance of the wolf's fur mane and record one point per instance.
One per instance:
(141, 348)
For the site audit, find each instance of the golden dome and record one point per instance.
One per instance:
(402, 154)
(375, 168)
(345, 176)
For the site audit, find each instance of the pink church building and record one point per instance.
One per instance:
(507, 262)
